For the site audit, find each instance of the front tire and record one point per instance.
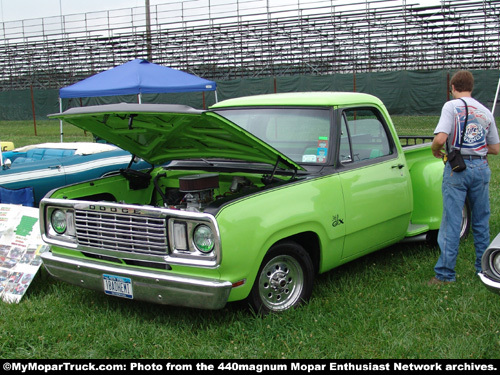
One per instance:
(284, 280)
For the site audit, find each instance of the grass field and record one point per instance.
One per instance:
(379, 306)
(24, 133)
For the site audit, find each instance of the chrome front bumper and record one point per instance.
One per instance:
(493, 286)
(155, 287)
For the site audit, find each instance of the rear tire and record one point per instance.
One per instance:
(466, 221)
(284, 281)
(464, 229)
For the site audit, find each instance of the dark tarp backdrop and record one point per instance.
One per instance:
(403, 92)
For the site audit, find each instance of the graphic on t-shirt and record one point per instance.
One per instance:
(477, 127)
(473, 134)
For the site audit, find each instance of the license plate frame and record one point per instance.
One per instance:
(118, 286)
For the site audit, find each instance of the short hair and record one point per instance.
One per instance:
(463, 80)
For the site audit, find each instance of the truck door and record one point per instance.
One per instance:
(375, 182)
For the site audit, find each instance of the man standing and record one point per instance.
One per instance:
(479, 139)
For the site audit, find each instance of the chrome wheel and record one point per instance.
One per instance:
(465, 225)
(284, 280)
(281, 283)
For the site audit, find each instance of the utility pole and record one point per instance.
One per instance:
(148, 33)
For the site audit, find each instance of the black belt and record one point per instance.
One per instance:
(473, 157)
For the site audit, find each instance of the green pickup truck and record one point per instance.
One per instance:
(247, 200)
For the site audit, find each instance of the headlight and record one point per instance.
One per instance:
(193, 240)
(58, 221)
(204, 238)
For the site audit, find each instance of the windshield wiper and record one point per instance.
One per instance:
(207, 162)
(268, 179)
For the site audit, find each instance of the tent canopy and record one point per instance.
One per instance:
(137, 77)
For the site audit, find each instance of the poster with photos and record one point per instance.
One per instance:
(20, 249)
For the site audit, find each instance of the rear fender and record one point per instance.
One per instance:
(426, 180)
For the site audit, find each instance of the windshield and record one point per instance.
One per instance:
(300, 133)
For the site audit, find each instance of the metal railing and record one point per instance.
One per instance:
(230, 39)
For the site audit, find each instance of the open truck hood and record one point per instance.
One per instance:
(159, 133)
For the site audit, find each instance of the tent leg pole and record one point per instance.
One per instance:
(496, 98)
(60, 121)
(33, 107)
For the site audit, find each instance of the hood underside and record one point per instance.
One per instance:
(160, 133)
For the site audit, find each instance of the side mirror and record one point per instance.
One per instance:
(6, 164)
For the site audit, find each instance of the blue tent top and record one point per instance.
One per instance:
(137, 77)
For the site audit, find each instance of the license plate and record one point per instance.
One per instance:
(118, 286)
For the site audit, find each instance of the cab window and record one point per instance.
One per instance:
(302, 134)
(364, 136)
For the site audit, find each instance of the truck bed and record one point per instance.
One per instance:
(412, 140)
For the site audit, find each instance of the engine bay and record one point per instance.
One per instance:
(197, 192)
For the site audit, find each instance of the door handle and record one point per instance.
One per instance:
(399, 166)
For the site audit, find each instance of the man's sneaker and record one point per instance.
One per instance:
(436, 281)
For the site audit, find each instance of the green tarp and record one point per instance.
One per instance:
(403, 92)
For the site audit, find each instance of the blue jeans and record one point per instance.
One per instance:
(471, 184)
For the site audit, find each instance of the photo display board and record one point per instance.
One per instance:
(20, 249)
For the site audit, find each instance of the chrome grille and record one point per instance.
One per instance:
(121, 232)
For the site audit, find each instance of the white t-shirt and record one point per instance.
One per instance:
(481, 128)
